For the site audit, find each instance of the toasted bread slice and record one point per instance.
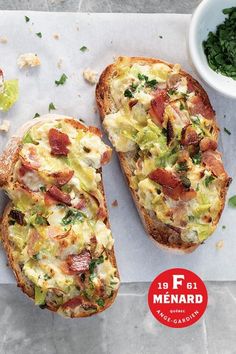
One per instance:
(55, 229)
(163, 127)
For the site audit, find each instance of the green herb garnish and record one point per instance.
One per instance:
(223, 227)
(232, 201)
(226, 130)
(42, 189)
(220, 47)
(39, 34)
(36, 256)
(72, 216)
(94, 263)
(142, 77)
(27, 19)
(151, 83)
(197, 158)
(191, 218)
(128, 93)
(172, 92)
(62, 80)
(209, 180)
(40, 220)
(100, 302)
(36, 115)
(83, 48)
(51, 107)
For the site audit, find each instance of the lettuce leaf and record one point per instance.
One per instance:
(10, 94)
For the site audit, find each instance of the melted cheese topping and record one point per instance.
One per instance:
(132, 128)
(52, 231)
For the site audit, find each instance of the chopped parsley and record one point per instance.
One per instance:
(100, 302)
(223, 227)
(94, 262)
(209, 180)
(160, 37)
(83, 49)
(171, 92)
(220, 47)
(191, 218)
(181, 106)
(62, 80)
(36, 256)
(128, 93)
(40, 220)
(27, 19)
(227, 131)
(36, 115)
(51, 107)
(72, 216)
(42, 189)
(148, 83)
(197, 158)
(39, 34)
(232, 201)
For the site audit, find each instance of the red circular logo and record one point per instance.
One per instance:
(177, 298)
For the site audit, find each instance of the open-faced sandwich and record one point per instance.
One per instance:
(55, 230)
(163, 127)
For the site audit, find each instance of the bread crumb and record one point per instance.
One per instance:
(220, 244)
(114, 203)
(59, 63)
(4, 126)
(3, 40)
(56, 36)
(28, 60)
(90, 76)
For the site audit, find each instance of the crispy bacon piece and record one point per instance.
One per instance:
(189, 136)
(24, 169)
(170, 132)
(106, 157)
(62, 177)
(172, 185)
(81, 204)
(164, 178)
(72, 303)
(18, 216)
(180, 193)
(58, 142)
(212, 161)
(132, 103)
(198, 106)
(56, 194)
(208, 144)
(158, 107)
(49, 200)
(33, 238)
(78, 263)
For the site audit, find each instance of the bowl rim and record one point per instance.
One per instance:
(194, 53)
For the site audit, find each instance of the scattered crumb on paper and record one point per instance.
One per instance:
(56, 36)
(4, 126)
(28, 60)
(3, 40)
(114, 203)
(90, 76)
(59, 63)
(220, 244)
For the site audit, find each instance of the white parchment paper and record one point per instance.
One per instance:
(105, 36)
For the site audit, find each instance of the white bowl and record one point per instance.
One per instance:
(205, 19)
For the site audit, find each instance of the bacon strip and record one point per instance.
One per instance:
(58, 142)
(158, 107)
(199, 107)
(164, 178)
(62, 177)
(213, 162)
(78, 263)
(172, 185)
(56, 194)
(189, 136)
(208, 144)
